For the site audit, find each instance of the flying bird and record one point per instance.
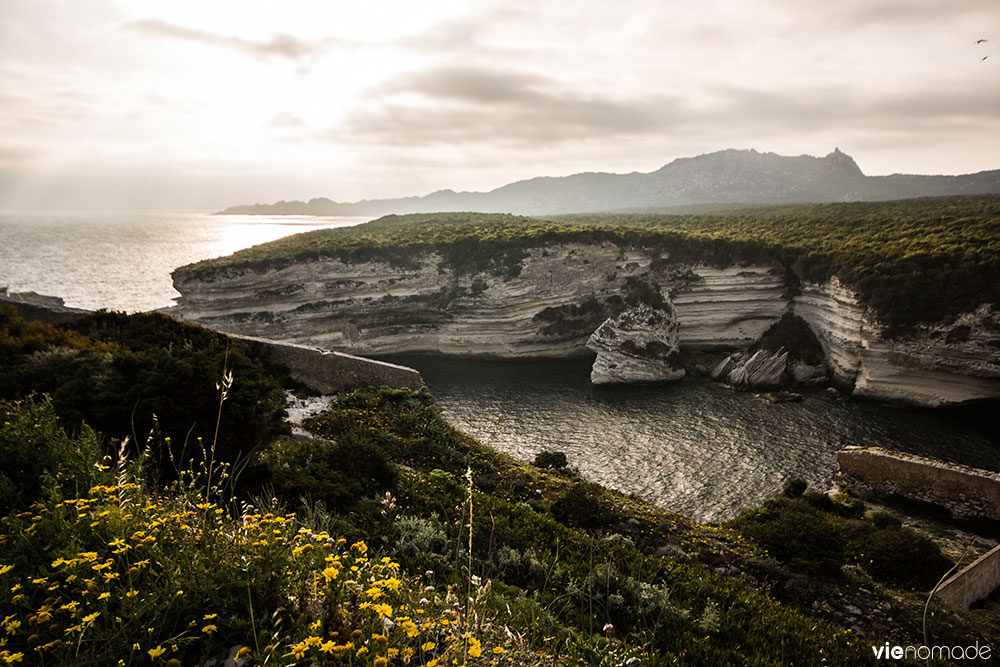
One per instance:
(983, 58)
(980, 41)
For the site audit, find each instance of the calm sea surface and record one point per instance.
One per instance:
(693, 446)
(123, 261)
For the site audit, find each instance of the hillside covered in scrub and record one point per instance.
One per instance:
(191, 525)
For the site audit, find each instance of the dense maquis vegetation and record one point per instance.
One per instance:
(389, 538)
(146, 377)
(913, 261)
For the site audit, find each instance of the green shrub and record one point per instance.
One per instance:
(585, 505)
(338, 473)
(548, 459)
(883, 519)
(36, 454)
(820, 501)
(799, 535)
(795, 488)
(898, 555)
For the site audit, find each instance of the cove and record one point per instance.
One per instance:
(694, 446)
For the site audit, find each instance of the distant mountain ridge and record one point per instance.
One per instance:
(724, 177)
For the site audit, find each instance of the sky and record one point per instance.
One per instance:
(205, 104)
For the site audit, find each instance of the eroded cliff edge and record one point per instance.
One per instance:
(548, 300)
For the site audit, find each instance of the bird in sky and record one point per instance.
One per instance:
(980, 41)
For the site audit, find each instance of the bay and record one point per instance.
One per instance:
(693, 446)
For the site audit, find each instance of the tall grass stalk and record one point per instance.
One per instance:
(223, 388)
(468, 587)
(927, 604)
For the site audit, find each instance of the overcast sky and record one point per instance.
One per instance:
(203, 103)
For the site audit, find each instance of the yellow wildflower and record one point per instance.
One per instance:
(155, 653)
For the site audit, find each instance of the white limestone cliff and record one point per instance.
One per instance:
(564, 292)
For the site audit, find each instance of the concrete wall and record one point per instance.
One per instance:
(325, 371)
(331, 372)
(972, 582)
(965, 491)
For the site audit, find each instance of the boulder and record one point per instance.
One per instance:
(637, 345)
(762, 369)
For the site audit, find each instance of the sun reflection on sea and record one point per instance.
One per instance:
(244, 231)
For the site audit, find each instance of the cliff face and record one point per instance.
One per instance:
(931, 365)
(563, 293)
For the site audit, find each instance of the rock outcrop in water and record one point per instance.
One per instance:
(562, 293)
(763, 369)
(637, 345)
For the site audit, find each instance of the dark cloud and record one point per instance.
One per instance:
(468, 104)
(279, 45)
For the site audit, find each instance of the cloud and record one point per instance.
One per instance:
(284, 120)
(507, 109)
(453, 104)
(280, 45)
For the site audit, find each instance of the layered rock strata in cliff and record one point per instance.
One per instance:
(560, 296)
(929, 365)
(637, 345)
(557, 296)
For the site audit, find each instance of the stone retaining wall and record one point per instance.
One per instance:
(330, 372)
(972, 582)
(964, 491)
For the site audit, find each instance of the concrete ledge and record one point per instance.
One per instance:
(964, 491)
(973, 582)
(331, 372)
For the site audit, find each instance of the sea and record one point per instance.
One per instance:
(693, 446)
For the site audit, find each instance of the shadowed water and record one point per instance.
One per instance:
(694, 446)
